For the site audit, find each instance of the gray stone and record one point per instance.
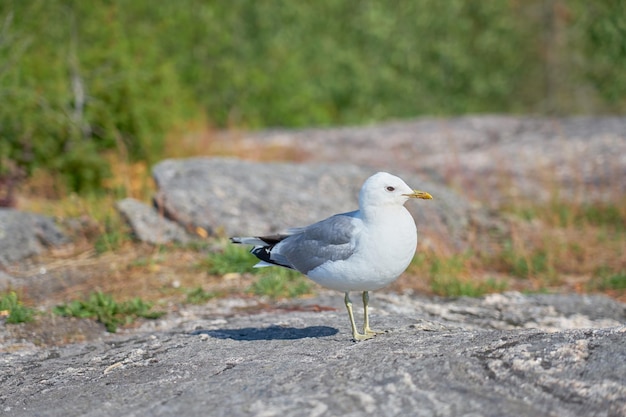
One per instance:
(298, 360)
(491, 158)
(234, 197)
(149, 225)
(25, 234)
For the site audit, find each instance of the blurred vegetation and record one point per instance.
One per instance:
(79, 79)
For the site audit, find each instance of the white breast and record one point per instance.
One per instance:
(383, 250)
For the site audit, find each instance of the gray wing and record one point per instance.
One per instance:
(328, 240)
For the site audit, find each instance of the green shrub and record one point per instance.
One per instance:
(79, 79)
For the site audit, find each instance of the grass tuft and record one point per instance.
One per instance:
(450, 277)
(231, 258)
(107, 311)
(281, 283)
(13, 309)
(607, 280)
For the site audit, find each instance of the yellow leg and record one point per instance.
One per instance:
(366, 323)
(355, 334)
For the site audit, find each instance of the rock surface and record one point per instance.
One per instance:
(148, 225)
(491, 158)
(25, 234)
(237, 197)
(439, 358)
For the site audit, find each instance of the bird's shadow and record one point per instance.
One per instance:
(269, 333)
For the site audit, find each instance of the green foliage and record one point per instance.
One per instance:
(74, 89)
(605, 279)
(232, 258)
(114, 235)
(563, 214)
(281, 283)
(78, 79)
(603, 25)
(14, 309)
(608, 215)
(109, 241)
(272, 282)
(107, 311)
(526, 265)
(445, 279)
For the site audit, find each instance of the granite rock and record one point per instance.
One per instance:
(298, 360)
(149, 225)
(232, 197)
(24, 234)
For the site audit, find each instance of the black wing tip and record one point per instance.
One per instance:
(268, 240)
(263, 253)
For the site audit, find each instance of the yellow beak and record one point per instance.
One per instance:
(419, 194)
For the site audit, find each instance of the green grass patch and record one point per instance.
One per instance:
(107, 311)
(281, 283)
(451, 276)
(14, 310)
(109, 241)
(526, 265)
(274, 282)
(231, 258)
(564, 214)
(606, 280)
(608, 215)
(448, 278)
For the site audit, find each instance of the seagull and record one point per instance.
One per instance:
(362, 250)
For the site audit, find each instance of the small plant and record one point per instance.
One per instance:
(107, 311)
(607, 280)
(526, 265)
(281, 283)
(109, 241)
(114, 232)
(231, 259)
(14, 310)
(199, 296)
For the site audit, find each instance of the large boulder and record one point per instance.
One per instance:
(235, 197)
(24, 234)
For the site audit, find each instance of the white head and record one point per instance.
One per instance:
(383, 189)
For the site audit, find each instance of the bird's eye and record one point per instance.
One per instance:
(390, 188)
